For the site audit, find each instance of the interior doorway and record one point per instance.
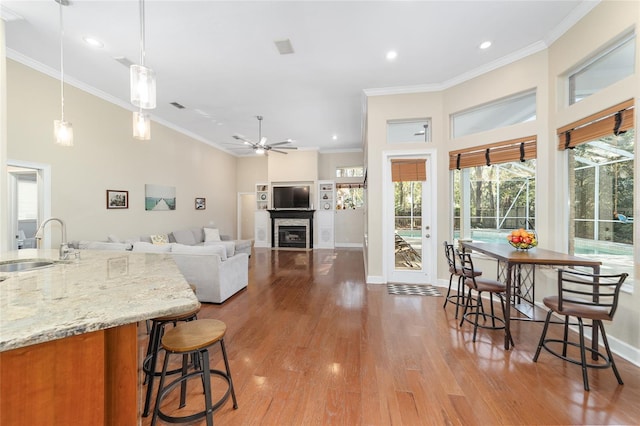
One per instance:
(29, 199)
(246, 217)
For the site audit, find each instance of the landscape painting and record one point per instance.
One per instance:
(159, 197)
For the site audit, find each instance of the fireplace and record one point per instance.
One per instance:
(292, 228)
(292, 236)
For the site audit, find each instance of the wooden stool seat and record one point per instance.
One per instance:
(194, 338)
(197, 335)
(180, 316)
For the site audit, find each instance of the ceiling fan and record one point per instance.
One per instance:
(262, 147)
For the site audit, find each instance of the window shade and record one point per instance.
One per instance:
(617, 118)
(349, 185)
(520, 149)
(408, 170)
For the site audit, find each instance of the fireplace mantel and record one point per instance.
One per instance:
(304, 216)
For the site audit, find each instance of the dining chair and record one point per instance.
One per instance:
(457, 299)
(479, 284)
(583, 296)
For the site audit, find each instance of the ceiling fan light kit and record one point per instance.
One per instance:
(262, 147)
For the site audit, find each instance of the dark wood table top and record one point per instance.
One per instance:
(535, 256)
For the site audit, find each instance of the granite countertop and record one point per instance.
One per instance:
(102, 289)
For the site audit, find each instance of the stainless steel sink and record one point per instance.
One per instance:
(24, 265)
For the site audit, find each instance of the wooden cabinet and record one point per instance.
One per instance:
(88, 379)
(325, 215)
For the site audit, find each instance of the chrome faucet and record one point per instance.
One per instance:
(64, 247)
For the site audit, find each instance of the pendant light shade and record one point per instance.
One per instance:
(141, 126)
(62, 130)
(143, 87)
(143, 79)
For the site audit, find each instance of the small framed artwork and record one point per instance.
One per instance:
(117, 199)
(201, 203)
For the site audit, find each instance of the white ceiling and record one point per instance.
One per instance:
(219, 60)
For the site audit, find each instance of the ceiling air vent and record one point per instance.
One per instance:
(124, 61)
(284, 46)
(177, 105)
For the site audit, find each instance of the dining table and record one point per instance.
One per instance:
(511, 263)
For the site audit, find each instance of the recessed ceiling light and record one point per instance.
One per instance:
(391, 55)
(485, 45)
(334, 137)
(93, 42)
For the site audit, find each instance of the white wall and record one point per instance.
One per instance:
(105, 156)
(4, 212)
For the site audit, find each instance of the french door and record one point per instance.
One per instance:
(409, 236)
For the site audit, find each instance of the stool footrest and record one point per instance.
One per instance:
(606, 362)
(183, 419)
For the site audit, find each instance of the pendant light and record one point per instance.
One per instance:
(143, 79)
(62, 130)
(141, 125)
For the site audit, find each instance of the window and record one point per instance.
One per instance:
(601, 186)
(494, 189)
(402, 131)
(501, 113)
(609, 66)
(354, 171)
(349, 196)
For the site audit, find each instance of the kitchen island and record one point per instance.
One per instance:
(68, 334)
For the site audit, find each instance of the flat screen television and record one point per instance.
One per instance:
(291, 197)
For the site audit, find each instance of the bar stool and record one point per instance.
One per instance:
(194, 338)
(482, 285)
(583, 296)
(457, 299)
(153, 348)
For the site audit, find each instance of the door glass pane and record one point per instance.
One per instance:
(408, 225)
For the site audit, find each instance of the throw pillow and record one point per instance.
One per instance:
(159, 239)
(184, 237)
(211, 234)
(113, 239)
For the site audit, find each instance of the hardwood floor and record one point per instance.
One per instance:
(310, 343)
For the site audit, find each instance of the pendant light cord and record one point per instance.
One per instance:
(61, 63)
(142, 32)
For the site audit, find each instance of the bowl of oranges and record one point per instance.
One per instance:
(522, 239)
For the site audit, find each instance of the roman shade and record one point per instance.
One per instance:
(615, 120)
(520, 149)
(409, 170)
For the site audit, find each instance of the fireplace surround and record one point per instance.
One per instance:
(292, 228)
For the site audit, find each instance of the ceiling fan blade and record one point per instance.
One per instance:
(280, 143)
(278, 151)
(242, 138)
(287, 147)
(263, 141)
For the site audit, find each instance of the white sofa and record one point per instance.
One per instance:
(215, 275)
(215, 279)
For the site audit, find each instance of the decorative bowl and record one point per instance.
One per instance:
(522, 239)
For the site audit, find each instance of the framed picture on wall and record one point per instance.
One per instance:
(117, 199)
(201, 203)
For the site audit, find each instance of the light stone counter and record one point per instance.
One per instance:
(103, 289)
